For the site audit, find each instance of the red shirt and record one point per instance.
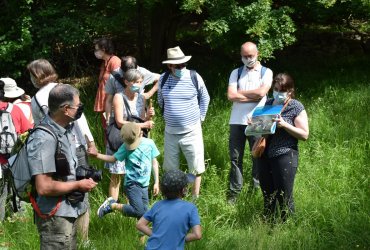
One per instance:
(20, 122)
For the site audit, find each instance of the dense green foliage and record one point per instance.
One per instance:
(331, 191)
(63, 31)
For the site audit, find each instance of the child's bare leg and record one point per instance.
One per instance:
(115, 182)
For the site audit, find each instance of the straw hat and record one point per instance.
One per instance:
(176, 56)
(11, 90)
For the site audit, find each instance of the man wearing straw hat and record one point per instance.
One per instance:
(184, 100)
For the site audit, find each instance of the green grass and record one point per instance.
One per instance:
(331, 187)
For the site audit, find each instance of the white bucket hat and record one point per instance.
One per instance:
(11, 90)
(176, 56)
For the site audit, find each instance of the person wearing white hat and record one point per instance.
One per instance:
(21, 125)
(184, 100)
(17, 96)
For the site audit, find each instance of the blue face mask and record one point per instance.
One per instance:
(180, 72)
(280, 97)
(135, 88)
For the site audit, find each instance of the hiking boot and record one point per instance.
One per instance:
(106, 207)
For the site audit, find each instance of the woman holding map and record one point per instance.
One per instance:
(279, 162)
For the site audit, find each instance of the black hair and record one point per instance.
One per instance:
(2, 92)
(128, 62)
(105, 44)
(60, 95)
(173, 184)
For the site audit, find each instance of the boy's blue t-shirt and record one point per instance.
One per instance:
(138, 162)
(172, 220)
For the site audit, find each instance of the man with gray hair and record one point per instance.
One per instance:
(52, 162)
(248, 87)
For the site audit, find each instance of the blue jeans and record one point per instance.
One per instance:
(237, 141)
(277, 180)
(138, 199)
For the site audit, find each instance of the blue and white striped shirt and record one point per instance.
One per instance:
(181, 109)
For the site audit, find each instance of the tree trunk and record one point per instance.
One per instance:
(140, 30)
(163, 31)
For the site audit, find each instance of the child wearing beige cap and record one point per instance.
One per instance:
(139, 154)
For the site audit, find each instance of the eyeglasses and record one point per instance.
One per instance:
(178, 66)
(72, 107)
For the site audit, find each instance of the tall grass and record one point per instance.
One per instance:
(331, 188)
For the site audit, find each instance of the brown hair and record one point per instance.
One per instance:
(285, 82)
(43, 71)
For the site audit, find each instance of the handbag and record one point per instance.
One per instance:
(259, 145)
(114, 132)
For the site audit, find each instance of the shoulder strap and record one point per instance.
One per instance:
(164, 78)
(194, 79)
(240, 70)
(127, 106)
(40, 107)
(47, 128)
(9, 108)
(263, 71)
(119, 79)
(285, 105)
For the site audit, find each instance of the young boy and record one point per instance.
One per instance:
(172, 218)
(139, 154)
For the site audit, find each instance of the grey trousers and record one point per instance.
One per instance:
(57, 233)
(237, 141)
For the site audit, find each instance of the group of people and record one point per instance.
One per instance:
(122, 95)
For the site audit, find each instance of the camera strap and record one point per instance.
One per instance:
(38, 211)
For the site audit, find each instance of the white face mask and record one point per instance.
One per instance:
(280, 97)
(34, 81)
(249, 62)
(99, 54)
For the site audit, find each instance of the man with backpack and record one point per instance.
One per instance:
(12, 123)
(248, 87)
(184, 100)
(52, 163)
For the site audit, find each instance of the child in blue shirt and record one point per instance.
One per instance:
(139, 154)
(171, 218)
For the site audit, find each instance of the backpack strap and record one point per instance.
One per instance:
(263, 71)
(194, 79)
(164, 80)
(47, 128)
(40, 107)
(240, 70)
(9, 108)
(119, 79)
